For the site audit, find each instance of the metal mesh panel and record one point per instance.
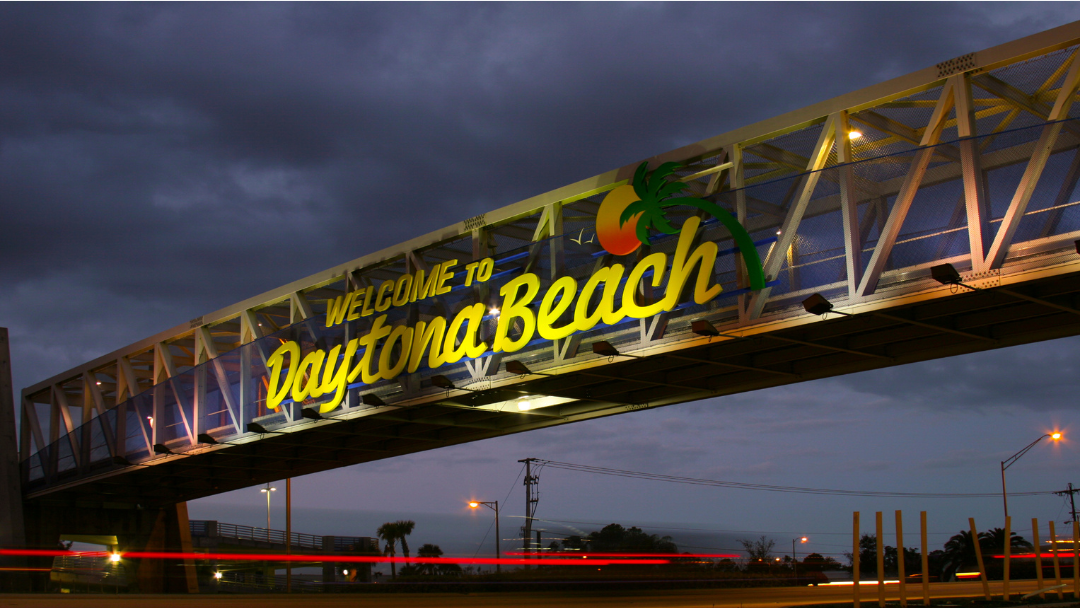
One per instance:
(1028, 76)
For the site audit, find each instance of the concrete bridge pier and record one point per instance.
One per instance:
(11, 506)
(136, 528)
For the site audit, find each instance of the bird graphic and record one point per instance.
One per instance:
(580, 234)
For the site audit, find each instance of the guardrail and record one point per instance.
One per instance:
(341, 544)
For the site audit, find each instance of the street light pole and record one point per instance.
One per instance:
(795, 560)
(267, 490)
(1008, 462)
(498, 537)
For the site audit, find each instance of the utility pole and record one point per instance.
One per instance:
(1072, 500)
(531, 499)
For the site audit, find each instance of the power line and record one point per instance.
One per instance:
(581, 468)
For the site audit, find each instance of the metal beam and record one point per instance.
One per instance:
(795, 214)
(975, 200)
(902, 205)
(1035, 167)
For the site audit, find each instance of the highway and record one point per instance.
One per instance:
(693, 598)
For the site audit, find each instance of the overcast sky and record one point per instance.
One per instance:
(160, 161)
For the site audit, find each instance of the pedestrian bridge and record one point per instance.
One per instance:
(553, 310)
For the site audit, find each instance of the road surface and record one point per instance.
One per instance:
(692, 598)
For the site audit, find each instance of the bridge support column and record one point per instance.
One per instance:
(170, 531)
(136, 529)
(11, 507)
(329, 568)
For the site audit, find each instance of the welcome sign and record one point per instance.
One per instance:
(625, 221)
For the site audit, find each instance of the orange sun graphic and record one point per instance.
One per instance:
(617, 240)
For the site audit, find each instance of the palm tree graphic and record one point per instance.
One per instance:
(656, 193)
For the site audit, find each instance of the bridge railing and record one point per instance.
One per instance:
(907, 207)
(300, 541)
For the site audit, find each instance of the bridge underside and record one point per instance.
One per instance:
(919, 327)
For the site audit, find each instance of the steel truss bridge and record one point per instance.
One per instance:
(972, 162)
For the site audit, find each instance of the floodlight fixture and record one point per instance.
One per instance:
(702, 327)
(442, 382)
(255, 427)
(161, 448)
(605, 348)
(121, 461)
(946, 274)
(311, 414)
(372, 399)
(517, 367)
(206, 438)
(817, 305)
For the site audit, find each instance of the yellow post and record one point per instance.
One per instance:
(855, 561)
(1057, 564)
(1076, 559)
(1038, 554)
(288, 533)
(925, 562)
(900, 574)
(1006, 560)
(880, 564)
(979, 557)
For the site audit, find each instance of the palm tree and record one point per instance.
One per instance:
(959, 552)
(388, 533)
(429, 550)
(404, 528)
(993, 540)
(654, 192)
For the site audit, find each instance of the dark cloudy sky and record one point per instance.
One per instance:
(161, 161)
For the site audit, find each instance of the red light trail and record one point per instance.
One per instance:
(362, 559)
(657, 555)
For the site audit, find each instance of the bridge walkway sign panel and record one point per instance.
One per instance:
(676, 278)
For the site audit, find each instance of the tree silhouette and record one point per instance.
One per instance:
(759, 550)
(388, 533)
(867, 555)
(614, 538)
(993, 541)
(404, 528)
(430, 550)
(960, 551)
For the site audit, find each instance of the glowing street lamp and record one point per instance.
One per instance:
(473, 504)
(1055, 436)
(114, 557)
(267, 490)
